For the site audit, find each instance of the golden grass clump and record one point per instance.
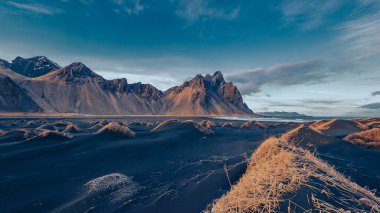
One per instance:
(369, 138)
(304, 135)
(277, 171)
(271, 173)
(116, 129)
(338, 127)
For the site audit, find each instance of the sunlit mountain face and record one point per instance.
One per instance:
(314, 58)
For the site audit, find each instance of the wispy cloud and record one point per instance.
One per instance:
(193, 10)
(323, 102)
(307, 104)
(131, 7)
(361, 36)
(371, 106)
(375, 93)
(86, 1)
(35, 8)
(295, 73)
(308, 14)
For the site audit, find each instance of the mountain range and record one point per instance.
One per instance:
(40, 85)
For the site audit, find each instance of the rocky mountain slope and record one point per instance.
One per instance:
(31, 67)
(205, 95)
(13, 98)
(77, 89)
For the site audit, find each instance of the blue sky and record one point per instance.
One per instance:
(310, 56)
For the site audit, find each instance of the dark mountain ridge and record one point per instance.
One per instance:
(31, 67)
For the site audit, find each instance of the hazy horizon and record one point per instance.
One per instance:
(314, 58)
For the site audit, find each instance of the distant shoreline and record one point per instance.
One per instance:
(76, 115)
(231, 117)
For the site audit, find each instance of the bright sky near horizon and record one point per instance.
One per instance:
(317, 57)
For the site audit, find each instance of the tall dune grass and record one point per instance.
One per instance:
(278, 169)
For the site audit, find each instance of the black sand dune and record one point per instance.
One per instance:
(15, 135)
(306, 137)
(209, 124)
(338, 127)
(140, 126)
(72, 128)
(61, 123)
(114, 129)
(47, 127)
(182, 126)
(35, 123)
(228, 125)
(253, 125)
(369, 138)
(51, 135)
(174, 168)
(173, 173)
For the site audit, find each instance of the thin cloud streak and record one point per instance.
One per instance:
(362, 35)
(375, 93)
(131, 7)
(35, 8)
(371, 106)
(295, 73)
(193, 10)
(309, 14)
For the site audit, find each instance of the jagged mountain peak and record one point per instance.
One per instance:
(4, 63)
(218, 76)
(206, 95)
(146, 90)
(116, 85)
(77, 89)
(34, 58)
(34, 66)
(75, 73)
(78, 70)
(215, 80)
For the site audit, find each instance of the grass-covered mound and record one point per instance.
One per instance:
(338, 127)
(115, 129)
(286, 178)
(305, 136)
(369, 138)
(183, 126)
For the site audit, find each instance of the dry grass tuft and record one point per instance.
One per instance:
(369, 138)
(209, 124)
(254, 124)
(72, 128)
(271, 173)
(187, 124)
(116, 129)
(305, 136)
(338, 127)
(228, 125)
(277, 170)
